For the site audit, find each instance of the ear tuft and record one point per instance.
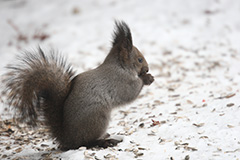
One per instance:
(122, 35)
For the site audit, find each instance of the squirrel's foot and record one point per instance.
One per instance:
(147, 79)
(104, 143)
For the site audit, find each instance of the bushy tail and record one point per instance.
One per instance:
(37, 88)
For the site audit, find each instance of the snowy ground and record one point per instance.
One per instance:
(192, 109)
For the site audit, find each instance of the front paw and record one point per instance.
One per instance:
(147, 79)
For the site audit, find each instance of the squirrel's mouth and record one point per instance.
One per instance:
(143, 71)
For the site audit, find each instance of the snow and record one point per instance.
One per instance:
(193, 51)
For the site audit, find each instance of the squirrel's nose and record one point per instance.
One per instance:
(144, 69)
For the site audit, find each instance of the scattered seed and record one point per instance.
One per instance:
(190, 148)
(230, 95)
(18, 150)
(75, 10)
(161, 140)
(174, 96)
(4, 156)
(236, 150)
(178, 104)
(138, 155)
(227, 96)
(151, 116)
(204, 105)
(46, 154)
(198, 125)
(44, 145)
(189, 102)
(176, 143)
(109, 156)
(154, 123)
(8, 147)
(185, 144)
(141, 125)
(230, 126)
(157, 102)
(230, 104)
(141, 148)
(187, 157)
(151, 134)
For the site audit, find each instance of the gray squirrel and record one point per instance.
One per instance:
(77, 108)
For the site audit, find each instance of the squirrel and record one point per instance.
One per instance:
(77, 108)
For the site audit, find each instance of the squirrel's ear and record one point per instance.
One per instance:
(122, 36)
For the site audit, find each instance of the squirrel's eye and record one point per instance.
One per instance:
(140, 60)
